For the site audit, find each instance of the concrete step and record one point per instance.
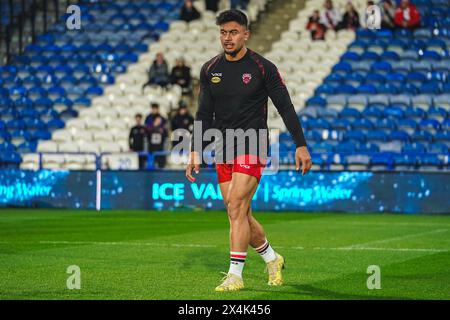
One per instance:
(274, 21)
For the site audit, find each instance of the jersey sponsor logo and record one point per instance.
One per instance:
(215, 79)
(246, 77)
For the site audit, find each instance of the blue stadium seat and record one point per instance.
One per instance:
(318, 124)
(355, 135)
(415, 147)
(366, 89)
(374, 113)
(381, 161)
(437, 113)
(393, 112)
(438, 147)
(405, 161)
(324, 147)
(346, 147)
(429, 161)
(350, 56)
(350, 114)
(399, 135)
(368, 147)
(325, 89)
(342, 68)
(408, 125)
(354, 79)
(446, 125)
(340, 124)
(333, 79)
(362, 124)
(430, 88)
(431, 125)
(415, 114)
(377, 135)
(388, 88)
(402, 66)
(431, 56)
(329, 114)
(312, 135)
(316, 101)
(370, 56)
(424, 136)
(10, 159)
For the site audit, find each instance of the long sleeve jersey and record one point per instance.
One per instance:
(234, 95)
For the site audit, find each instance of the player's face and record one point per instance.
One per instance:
(233, 37)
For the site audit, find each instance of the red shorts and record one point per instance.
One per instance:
(246, 163)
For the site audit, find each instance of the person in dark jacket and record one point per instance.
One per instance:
(182, 120)
(154, 113)
(181, 75)
(188, 12)
(387, 14)
(158, 73)
(157, 135)
(137, 139)
(350, 21)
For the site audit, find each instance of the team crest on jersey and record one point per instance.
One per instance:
(246, 77)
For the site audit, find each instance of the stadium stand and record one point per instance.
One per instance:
(116, 96)
(385, 103)
(45, 89)
(367, 100)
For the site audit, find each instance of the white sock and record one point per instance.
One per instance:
(266, 252)
(237, 262)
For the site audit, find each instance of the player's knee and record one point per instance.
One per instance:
(235, 208)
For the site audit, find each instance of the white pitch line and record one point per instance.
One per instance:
(396, 238)
(129, 244)
(383, 249)
(191, 245)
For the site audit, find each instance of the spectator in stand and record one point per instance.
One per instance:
(137, 139)
(407, 15)
(350, 21)
(181, 75)
(316, 28)
(363, 14)
(157, 135)
(158, 73)
(182, 120)
(387, 14)
(331, 16)
(212, 5)
(189, 12)
(154, 113)
(242, 4)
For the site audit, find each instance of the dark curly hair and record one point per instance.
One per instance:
(232, 15)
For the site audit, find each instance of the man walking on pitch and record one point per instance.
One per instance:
(234, 90)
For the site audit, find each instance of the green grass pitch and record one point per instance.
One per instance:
(179, 255)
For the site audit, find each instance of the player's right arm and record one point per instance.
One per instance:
(204, 116)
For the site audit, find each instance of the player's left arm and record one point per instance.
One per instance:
(279, 95)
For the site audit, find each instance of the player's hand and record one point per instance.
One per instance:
(194, 164)
(302, 156)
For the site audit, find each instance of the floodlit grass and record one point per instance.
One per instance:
(179, 255)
